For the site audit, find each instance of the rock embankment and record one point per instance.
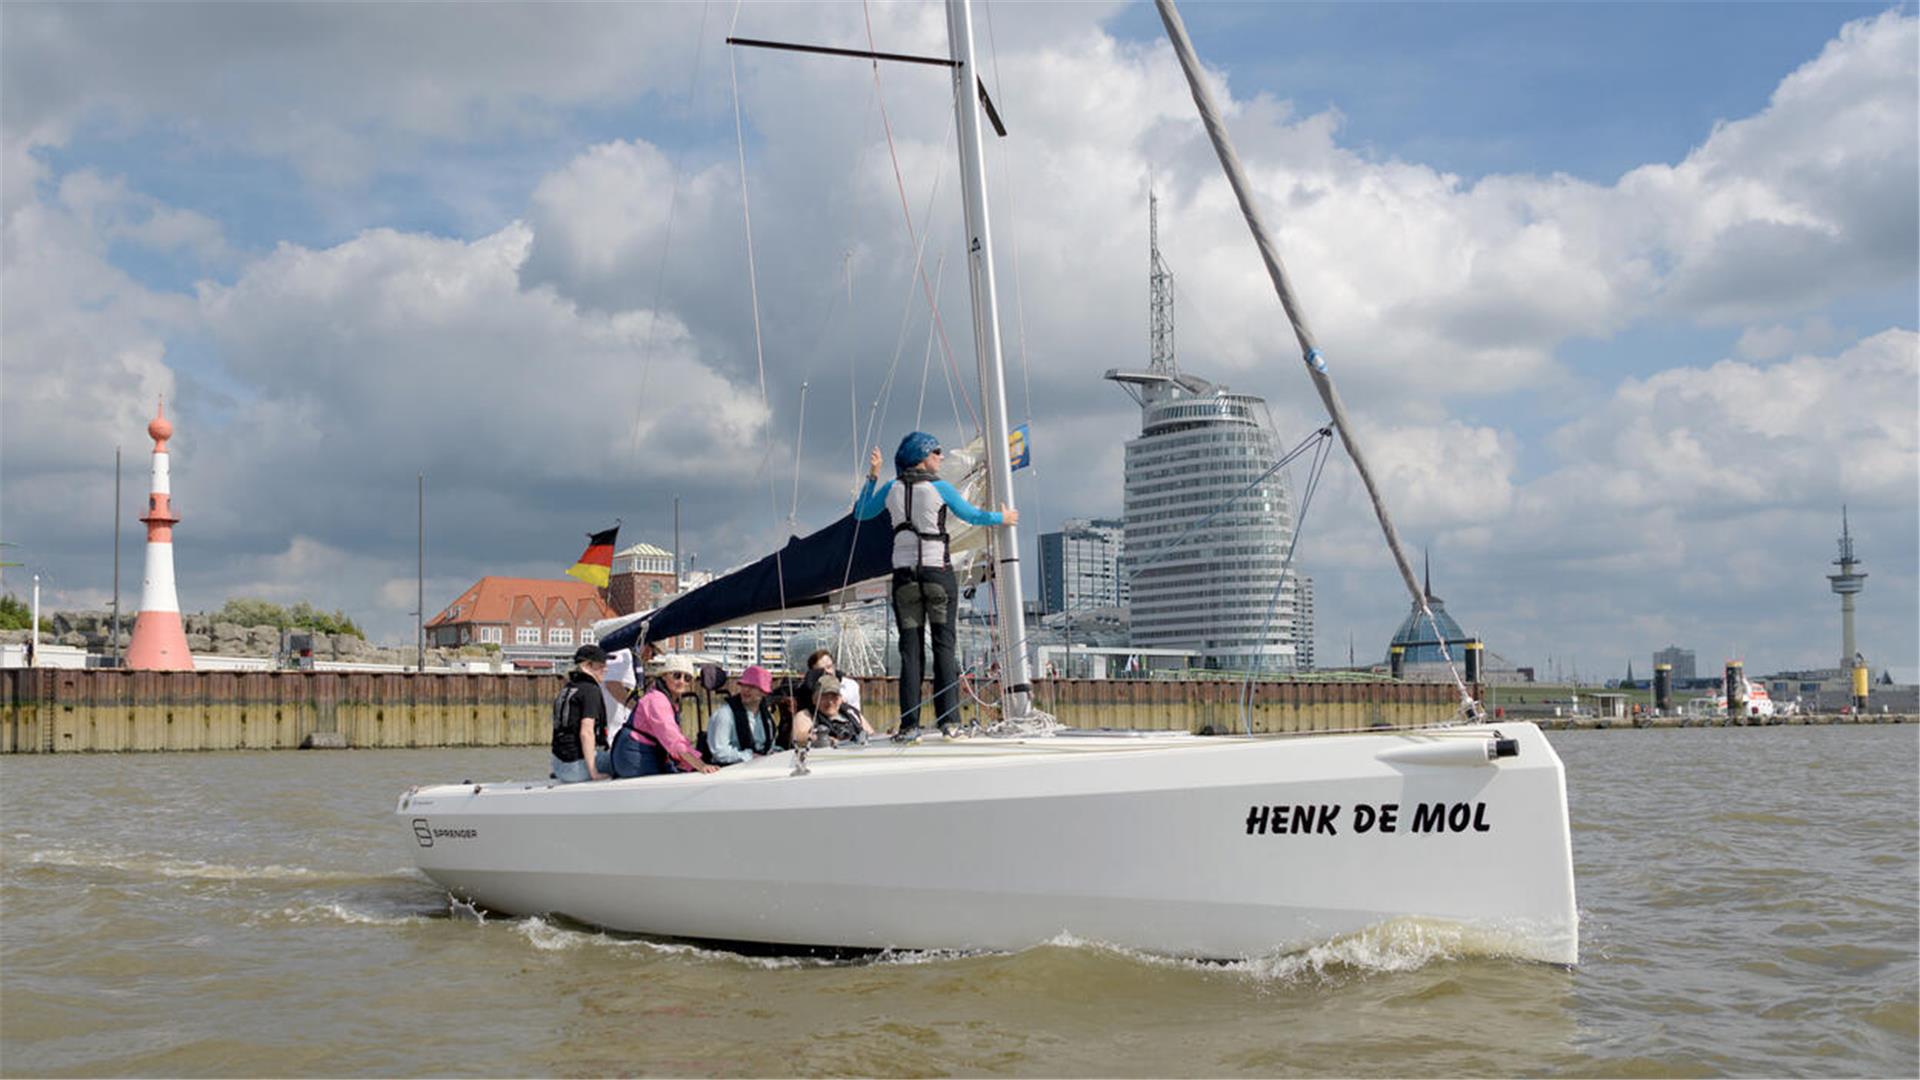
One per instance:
(91, 630)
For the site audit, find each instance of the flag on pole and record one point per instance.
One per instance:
(596, 563)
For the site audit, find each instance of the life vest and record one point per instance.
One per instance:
(843, 725)
(566, 720)
(743, 730)
(919, 518)
(635, 753)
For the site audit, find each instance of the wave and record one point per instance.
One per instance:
(1398, 945)
(155, 865)
(552, 937)
(340, 913)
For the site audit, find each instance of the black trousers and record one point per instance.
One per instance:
(926, 598)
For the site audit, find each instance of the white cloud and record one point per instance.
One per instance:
(1801, 433)
(1779, 339)
(1813, 196)
(82, 345)
(435, 346)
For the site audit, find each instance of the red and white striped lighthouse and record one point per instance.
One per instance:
(159, 638)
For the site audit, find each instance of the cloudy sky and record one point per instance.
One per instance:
(1622, 296)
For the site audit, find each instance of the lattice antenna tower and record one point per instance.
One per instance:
(1160, 285)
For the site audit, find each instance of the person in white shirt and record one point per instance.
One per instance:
(821, 663)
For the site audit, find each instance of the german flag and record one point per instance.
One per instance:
(596, 563)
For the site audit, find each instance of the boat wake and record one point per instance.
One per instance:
(151, 864)
(551, 935)
(336, 912)
(1399, 945)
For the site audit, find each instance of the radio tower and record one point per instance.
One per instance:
(159, 638)
(1160, 284)
(1848, 583)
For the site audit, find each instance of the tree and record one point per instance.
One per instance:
(14, 613)
(248, 611)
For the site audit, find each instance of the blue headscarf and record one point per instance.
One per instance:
(914, 449)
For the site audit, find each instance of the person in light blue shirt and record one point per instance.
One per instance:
(925, 594)
(742, 729)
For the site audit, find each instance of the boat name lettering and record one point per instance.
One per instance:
(1322, 818)
(427, 834)
(1283, 820)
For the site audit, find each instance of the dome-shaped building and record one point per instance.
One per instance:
(1416, 634)
(1422, 660)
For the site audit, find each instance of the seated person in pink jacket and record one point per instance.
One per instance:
(651, 741)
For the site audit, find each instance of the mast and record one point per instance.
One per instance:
(1016, 686)
(1309, 349)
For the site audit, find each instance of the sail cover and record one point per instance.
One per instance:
(805, 573)
(811, 573)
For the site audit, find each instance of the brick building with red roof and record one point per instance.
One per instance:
(530, 618)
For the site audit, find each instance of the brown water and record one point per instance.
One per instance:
(1750, 902)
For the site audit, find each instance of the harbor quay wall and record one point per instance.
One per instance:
(49, 710)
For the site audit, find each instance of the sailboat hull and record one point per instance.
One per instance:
(1200, 847)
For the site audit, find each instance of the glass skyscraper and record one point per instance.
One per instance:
(1204, 553)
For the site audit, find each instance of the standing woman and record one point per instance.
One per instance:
(651, 742)
(925, 593)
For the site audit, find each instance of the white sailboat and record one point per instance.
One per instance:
(1217, 847)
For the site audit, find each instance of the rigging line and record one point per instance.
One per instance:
(1468, 706)
(753, 289)
(799, 443)
(926, 365)
(906, 212)
(1310, 442)
(1320, 441)
(666, 242)
(1310, 354)
(878, 412)
(853, 371)
(1007, 188)
(1321, 452)
(882, 401)
(959, 425)
(846, 266)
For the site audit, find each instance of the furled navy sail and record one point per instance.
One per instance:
(804, 574)
(809, 574)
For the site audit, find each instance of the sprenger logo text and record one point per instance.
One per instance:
(426, 834)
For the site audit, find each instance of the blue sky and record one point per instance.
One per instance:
(1588, 89)
(1623, 292)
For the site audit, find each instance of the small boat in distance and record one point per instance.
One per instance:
(1211, 847)
(1759, 703)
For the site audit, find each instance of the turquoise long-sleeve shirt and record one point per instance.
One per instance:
(873, 502)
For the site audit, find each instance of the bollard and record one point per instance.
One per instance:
(1663, 688)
